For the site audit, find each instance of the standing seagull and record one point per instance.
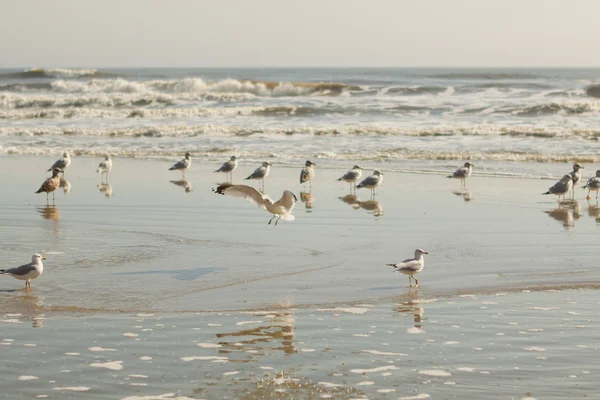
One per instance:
(51, 184)
(371, 182)
(307, 173)
(61, 163)
(27, 272)
(105, 166)
(261, 173)
(183, 164)
(463, 173)
(561, 187)
(411, 266)
(593, 184)
(228, 167)
(576, 174)
(282, 208)
(352, 176)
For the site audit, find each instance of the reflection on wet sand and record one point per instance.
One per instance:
(185, 184)
(308, 199)
(49, 212)
(594, 211)
(65, 185)
(106, 189)
(567, 212)
(372, 206)
(411, 303)
(25, 306)
(352, 200)
(279, 332)
(464, 193)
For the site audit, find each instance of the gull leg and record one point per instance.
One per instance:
(409, 281)
(416, 282)
(277, 220)
(272, 220)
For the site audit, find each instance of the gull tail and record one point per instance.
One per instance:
(584, 187)
(392, 265)
(172, 169)
(40, 190)
(450, 176)
(219, 170)
(288, 217)
(2, 271)
(548, 192)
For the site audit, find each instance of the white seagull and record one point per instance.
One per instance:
(282, 208)
(463, 173)
(411, 266)
(61, 163)
(371, 182)
(183, 164)
(229, 166)
(27, 272)
(308, 172)
(352, 176)
(261, 172)
(561, 187)
(576, 174)
(593, 184)
(105, 166)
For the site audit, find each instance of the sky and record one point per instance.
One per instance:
(326, 33)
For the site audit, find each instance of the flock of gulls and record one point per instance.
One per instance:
(283, 207)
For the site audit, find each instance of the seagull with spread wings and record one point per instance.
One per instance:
(281, 209)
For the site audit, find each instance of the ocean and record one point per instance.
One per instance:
(418, 119)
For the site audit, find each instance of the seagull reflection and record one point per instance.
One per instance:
(49, 212)
(26, 307)
(567, 212)
(308, 199)
(279, 332)
(351, 200)
(106, 189)
(372, 206)
(411, 303)
(464, 193)
(594, 211)
(65, 185)
(185, 184)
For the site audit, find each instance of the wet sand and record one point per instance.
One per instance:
(192, 258)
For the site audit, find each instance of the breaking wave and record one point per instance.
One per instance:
(37, 73)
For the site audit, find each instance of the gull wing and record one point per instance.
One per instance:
(370, 181)
(408, 265)
(258, 173)
(60, 164)
(243, 191)
(350, 175)
(288, 201)
(20, 271)
(560, 186)
(179, 164)
(460, 173)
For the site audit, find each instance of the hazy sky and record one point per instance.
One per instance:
(201, 33)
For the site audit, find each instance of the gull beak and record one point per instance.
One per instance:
(44, 258)
(425, 252)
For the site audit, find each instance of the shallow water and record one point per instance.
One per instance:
(502, 345)
(152, 246)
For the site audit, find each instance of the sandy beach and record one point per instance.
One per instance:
(226, 305)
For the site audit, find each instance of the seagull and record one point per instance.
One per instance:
(561, 187)
(51, 184)
(261, 172)
(308, 172)
(27, 272)
(593, 184)
(61, 163)
(229, 166)
(183, 164)
(371, 182)
(352, 176)
(411, 266)
(463, 173)
(105, 166)
(576, 174)
(282, 208)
